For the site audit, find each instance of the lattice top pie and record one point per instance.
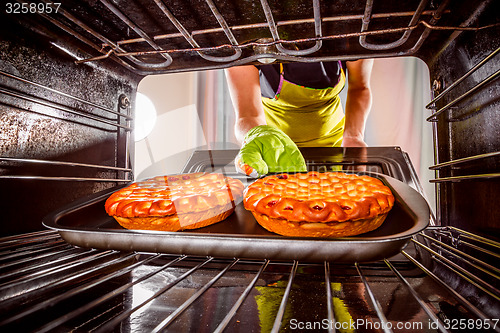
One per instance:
(319, 197)
(179, 194)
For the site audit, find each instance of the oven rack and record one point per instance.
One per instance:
(130, 52)
(49, 285)
(437, 115)
(461, 79)
(77, 99)
(95, 113)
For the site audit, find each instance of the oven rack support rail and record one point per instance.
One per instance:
(39, 272)
(230, 53)
(438, 115)
(99, 114)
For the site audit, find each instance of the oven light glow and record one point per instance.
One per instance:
(266, 60)
(145, 117)
(265, 51)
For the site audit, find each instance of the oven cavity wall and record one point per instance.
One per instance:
(465, 112)
(65, 128)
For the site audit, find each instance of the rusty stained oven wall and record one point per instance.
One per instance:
(37, 123)
(466, 104)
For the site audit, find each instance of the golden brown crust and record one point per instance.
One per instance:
(298, 204)
(174, 222)
(175, 202)
(317, 229)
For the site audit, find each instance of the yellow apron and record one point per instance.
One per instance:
(310, 117)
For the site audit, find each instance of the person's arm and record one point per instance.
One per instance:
(244, 88)
(264, 148)
(358, 102)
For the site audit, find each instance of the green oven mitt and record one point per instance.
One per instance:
(267, 149)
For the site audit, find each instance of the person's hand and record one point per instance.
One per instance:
(267, 149)
(353, 141)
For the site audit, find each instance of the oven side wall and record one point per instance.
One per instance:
(75, 118)
(467, 130)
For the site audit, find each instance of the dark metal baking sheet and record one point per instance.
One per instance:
(86, 224)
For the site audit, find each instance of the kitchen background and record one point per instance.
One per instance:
(193, 110)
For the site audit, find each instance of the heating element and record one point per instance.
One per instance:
(198, 35)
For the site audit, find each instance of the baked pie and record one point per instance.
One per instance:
(176, 202)
(314, 204)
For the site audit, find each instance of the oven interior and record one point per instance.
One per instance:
(68, 77)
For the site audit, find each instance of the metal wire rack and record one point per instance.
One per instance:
(48, 285)
(438, 113)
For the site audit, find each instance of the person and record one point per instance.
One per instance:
(280, 107)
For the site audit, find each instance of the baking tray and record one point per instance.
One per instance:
(86, 224)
